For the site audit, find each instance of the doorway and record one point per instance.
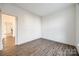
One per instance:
(8, 34)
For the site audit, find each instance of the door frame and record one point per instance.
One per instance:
(16, 27)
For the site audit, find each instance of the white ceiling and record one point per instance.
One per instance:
(43, 9)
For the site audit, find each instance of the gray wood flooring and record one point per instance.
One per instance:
(44, 47)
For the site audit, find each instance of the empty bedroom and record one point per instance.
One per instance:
(39, 29)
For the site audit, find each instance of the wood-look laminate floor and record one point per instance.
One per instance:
(44, 47)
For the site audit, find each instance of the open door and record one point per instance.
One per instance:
(8, 34)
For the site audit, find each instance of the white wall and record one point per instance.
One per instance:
(60, 26)
(28, 24)
(77, 26)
